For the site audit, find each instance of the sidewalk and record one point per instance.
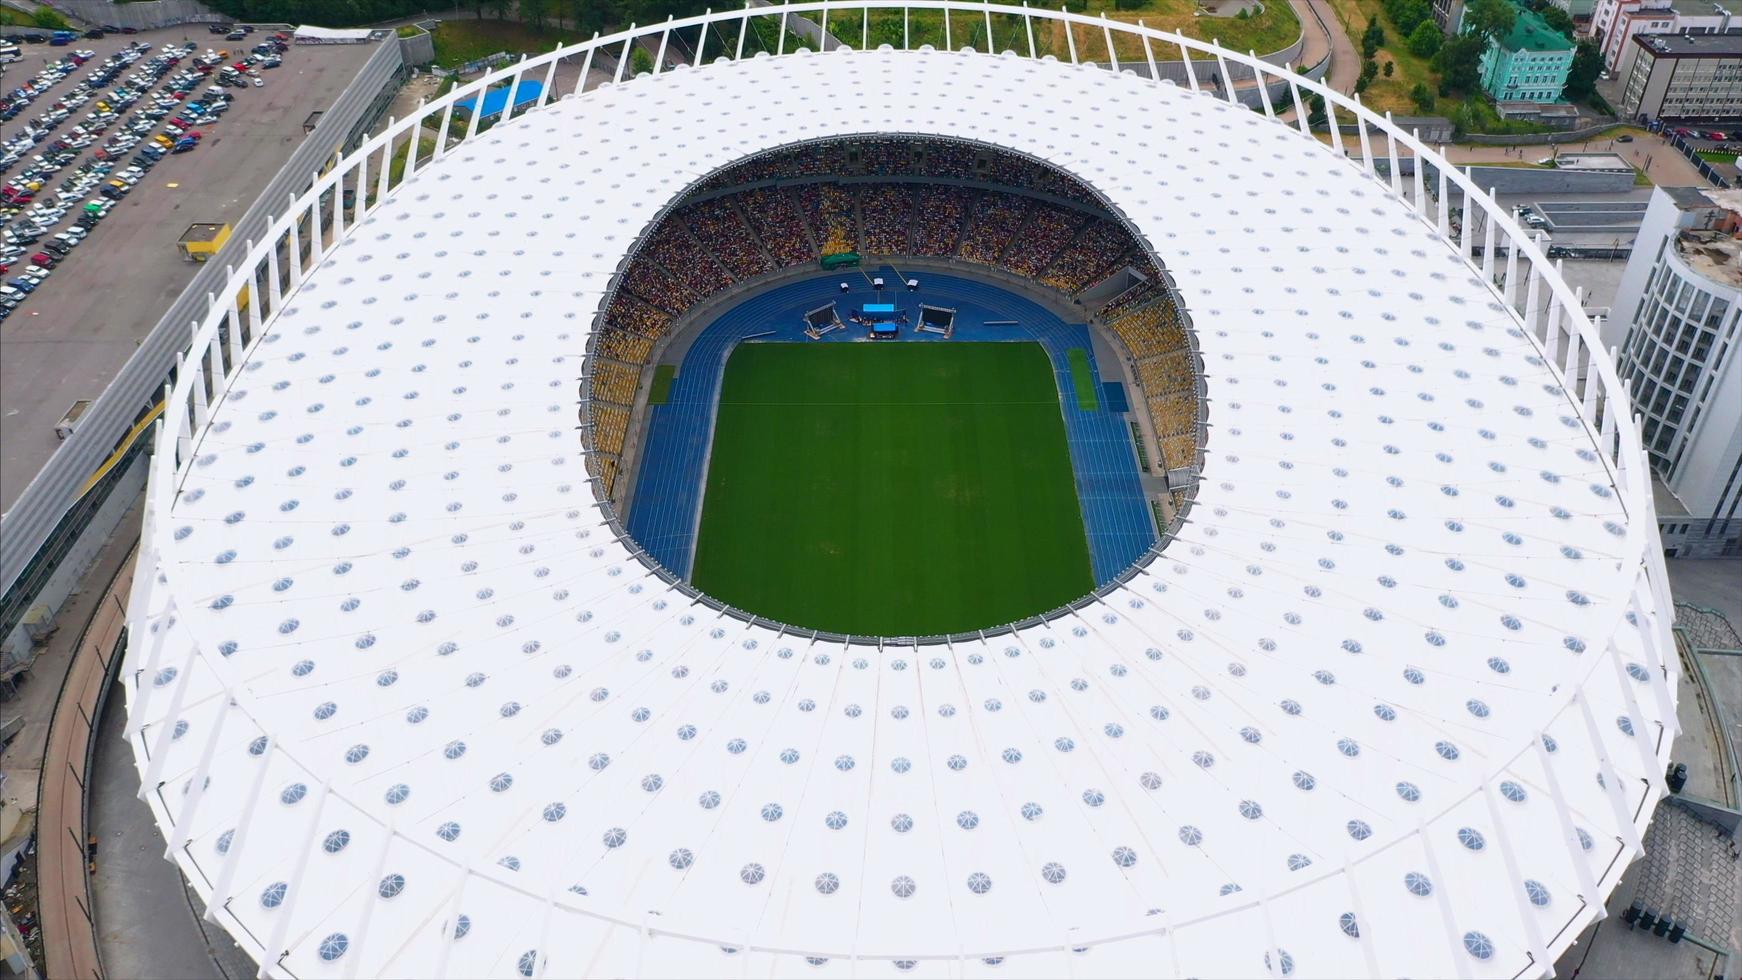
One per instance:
(1650, 153)
(1320, 25)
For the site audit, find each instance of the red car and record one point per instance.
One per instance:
(43, 259)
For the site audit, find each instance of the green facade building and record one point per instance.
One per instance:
(1529, 63)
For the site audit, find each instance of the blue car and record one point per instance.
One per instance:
(24, 286)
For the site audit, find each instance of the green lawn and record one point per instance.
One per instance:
(460, 41)
(893, 489)
(660, 391)
(1083, 380)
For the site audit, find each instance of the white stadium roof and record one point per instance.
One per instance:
(430, 685)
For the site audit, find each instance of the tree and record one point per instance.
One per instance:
(1489, 19)
(1425, 40)
(534, 12)
(1582, 77)
(1369, 69)
(1557, 19)
(1460, 62)
(1372, 38)
(47, 19)
(1423, 99)
(640, 62)
(1390, 66)
(1407, 15)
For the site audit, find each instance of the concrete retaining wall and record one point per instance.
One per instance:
(144, 15)
(418, 49)
(17, 647)
(1535, 139)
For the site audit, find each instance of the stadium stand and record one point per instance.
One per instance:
(790, 208)
(1040, 239)
(887, 213)
(718, 225)
(626, 347)
(992, 221)
(777, 222)
(1098, 252)
(939, 228)
(611, 426)
(629, 313)
(678, 253)
(614, 382)
(658, 287)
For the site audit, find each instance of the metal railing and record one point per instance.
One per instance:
(1544, 308)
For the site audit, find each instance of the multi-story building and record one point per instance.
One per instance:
(1448, 15)
(1684, 76)
(1614, 22)
(1529, 63)
(1675, 325)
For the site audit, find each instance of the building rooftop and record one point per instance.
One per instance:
(1717, 255)
(1691, 45)
(1694, 8)
(203, 231)
(1593, 161)
(1531, 33)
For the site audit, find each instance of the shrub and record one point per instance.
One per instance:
(1423, 99)
(1424, 41)
(1372, 37)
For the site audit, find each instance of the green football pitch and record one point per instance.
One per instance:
(893, 489)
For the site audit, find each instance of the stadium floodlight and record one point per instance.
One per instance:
(1396, 698)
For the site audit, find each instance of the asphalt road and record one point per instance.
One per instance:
(68, 340)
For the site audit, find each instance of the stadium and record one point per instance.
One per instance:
(900, 512)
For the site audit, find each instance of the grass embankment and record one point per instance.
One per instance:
(1471, 113)
(460, 41)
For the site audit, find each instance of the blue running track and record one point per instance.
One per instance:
(666, 508)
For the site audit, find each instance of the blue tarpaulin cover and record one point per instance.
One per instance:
(527, 91)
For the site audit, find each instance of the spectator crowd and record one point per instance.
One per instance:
(893, 197)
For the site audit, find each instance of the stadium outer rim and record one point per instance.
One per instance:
(1564, 334)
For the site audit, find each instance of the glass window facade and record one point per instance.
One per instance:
(1682, 330)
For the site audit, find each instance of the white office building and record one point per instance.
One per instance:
(1614, 22)
(1676, 328)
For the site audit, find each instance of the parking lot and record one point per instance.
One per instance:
(77, 329)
